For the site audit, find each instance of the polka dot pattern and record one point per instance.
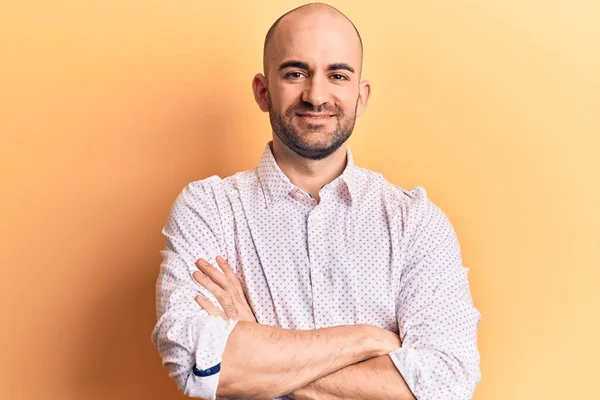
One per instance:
(368, 253)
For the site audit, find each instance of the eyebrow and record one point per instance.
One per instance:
(304, 66)
(336, 67)
(293, 64)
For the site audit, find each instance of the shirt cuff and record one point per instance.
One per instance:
(431, 375)
(208, 358)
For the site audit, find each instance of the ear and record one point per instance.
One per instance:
(259, 87)
(364, 92)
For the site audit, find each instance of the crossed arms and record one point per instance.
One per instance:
(264, 362)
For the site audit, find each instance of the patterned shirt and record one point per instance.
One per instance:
(368, 252)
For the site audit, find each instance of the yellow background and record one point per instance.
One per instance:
(108, 108)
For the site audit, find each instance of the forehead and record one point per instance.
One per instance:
(317, 40)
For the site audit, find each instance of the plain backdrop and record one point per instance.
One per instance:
(109, 108)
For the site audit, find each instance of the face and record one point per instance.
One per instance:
(312, 90)
(312, 131)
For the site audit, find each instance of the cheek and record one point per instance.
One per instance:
(290, 95)
(349, 107)
(282, 99)
(346, 98)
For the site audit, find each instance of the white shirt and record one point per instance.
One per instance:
(368, 253)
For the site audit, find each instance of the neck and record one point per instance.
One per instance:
(309, 175)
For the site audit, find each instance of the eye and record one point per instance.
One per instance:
(294, 75)
(339, 77)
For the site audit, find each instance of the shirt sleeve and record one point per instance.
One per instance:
(190, 342)
(438, 323)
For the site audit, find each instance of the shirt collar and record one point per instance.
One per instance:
(276, 185)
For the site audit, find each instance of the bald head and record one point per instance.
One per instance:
(313, 17)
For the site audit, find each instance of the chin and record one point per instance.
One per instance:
(305, 129)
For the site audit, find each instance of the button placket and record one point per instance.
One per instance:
(317, 246)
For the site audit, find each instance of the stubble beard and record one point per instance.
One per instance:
(299, 142)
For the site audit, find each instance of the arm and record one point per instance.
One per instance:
(438, 323)
(436, 317)
(185, 335)
(266, 362)
(376, 378)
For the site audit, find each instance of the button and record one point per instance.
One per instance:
(319, 278)
(298, 196)
(315, 220)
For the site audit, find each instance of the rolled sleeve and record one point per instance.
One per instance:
(438, 323)
(187, 338)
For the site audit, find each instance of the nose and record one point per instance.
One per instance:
(316, 92)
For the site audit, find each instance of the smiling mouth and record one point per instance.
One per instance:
(315, 117)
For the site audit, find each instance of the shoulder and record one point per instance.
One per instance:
(198, 194)
(415, 199)
(194, 209)
(211, 195)
(415, 211)
(375, 181)
(209, 190)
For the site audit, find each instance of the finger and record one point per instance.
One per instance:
(233, 292)
(223, 297)
(228, 271)
(214, 274)
(224, 266)
(209, 307)
(208, 284)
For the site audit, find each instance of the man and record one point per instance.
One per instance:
(309, 277)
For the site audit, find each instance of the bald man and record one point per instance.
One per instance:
(309, 277)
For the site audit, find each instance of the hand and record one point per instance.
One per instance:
(393, 339)
(226, 287)
(382, 340)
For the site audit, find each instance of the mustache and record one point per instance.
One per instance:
(305, 107)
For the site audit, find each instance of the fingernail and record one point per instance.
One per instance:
(202, 261)
(198, 275)
(221, 259)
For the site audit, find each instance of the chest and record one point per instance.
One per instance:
(306, 267)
